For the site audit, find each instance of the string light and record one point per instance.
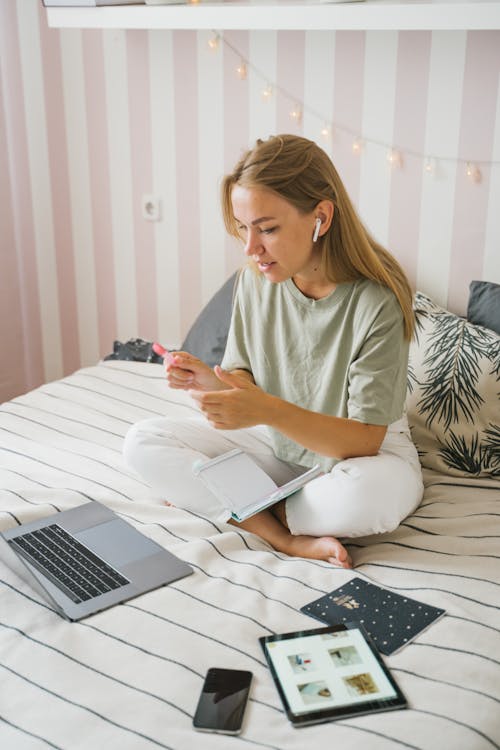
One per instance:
(296, 113)
(395, 156)
(473, 172)
(430, 166)
(213, 42)
(267, 92)
(242, 70)
(357, 146)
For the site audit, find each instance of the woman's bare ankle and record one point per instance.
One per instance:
(266, 525)
(279, 512)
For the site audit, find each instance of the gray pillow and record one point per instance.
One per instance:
(207, 336)
(484, 305)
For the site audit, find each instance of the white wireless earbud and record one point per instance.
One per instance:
(317, 227)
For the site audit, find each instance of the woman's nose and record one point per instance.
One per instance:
(253, 245)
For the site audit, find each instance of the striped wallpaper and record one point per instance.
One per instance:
(90, 121)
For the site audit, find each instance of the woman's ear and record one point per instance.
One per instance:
(324, 211)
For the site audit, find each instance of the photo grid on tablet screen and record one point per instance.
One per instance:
(328, 670)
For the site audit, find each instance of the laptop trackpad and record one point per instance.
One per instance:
(117, 542)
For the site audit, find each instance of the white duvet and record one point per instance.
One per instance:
(129, 678)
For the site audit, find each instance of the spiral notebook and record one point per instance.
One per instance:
(391, 620)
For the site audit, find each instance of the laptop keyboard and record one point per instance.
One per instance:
(67, 563)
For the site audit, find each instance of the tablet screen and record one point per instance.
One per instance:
(330, 673)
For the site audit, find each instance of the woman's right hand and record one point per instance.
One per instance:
(186, 372)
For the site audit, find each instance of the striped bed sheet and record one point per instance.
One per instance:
(128, 678)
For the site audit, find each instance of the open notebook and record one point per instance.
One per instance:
(243, 486)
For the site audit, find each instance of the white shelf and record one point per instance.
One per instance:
(287, 15)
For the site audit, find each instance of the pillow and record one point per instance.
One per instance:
(207, 336)
(453, 393)
(483, 308)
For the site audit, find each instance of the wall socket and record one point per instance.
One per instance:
(151, 207)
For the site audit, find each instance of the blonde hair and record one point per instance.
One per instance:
(300, 171)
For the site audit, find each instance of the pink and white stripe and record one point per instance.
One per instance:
(482, 63)
(212, 67)
(94, 120)
(444, 96)
(141, 158)
(166, 289)
(235, 129)
(409, 132)
(319, 57)
(39, 172)
(491, 268)
(348, 107)
(80, 216)
(100, 186)
(19, 274)
(187, 117)
(290, 78)
(59, 189)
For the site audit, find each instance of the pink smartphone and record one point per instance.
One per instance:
(160, 350)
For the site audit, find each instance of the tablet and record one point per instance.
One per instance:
(330, 673)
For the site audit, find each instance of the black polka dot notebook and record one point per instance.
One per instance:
(390, 619)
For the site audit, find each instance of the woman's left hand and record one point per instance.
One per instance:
(242, 404)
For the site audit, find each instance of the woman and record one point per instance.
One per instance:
(314, 369)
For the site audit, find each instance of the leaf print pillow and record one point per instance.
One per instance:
(453, 399)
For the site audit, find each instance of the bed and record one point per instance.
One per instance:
(128, 678)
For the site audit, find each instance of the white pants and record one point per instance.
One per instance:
(360, 496)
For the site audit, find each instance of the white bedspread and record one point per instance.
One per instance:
(129, 678)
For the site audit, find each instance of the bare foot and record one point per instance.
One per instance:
(170, 505)
(271, 526)
(318, 548)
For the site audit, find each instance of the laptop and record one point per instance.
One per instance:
(87, 559)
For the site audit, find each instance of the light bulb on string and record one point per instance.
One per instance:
(395, 158)
(473, 172)
(213, 42)
(241, 70)
(296, 113)
(325, 131)
(267, 92)
(430, 166)
(357, 146)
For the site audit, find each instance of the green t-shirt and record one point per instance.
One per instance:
(343, 355)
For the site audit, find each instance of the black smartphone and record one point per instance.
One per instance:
(222, 701)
